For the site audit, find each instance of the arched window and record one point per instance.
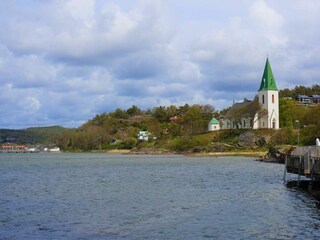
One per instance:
(272, 98)
(262, 99)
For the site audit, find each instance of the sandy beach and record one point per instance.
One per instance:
(220, 154)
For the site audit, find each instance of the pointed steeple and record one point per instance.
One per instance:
(267, 81)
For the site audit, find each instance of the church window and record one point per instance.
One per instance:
(262, 99)
(272, 98)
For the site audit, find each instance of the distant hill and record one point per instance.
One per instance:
(35, 135)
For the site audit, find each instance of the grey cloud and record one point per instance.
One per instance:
(62, 62)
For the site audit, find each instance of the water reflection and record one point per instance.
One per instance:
(303, 186)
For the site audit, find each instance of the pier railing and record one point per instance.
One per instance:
(305, 161)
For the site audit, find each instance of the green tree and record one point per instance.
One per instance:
(311, 130)
(194, 121)
(287, 112)
(134, 111)
(119, 114)
(160, 113)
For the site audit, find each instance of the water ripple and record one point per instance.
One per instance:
(101, 196)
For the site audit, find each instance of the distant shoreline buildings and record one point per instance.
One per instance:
(25, 149)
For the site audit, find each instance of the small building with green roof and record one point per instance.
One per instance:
(214, 125)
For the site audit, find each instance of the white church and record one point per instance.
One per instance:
(268, 98)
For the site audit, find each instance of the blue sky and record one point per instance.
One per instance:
(64, 61)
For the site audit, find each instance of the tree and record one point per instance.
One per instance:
(251, 110)
(300, 90)
(160, 113)
(311, 131)
(208, 111)
(119, 114)
(195, 120)
(287, 112)
(134, 111)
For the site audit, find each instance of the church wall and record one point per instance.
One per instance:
(232, 124)
(270, 101)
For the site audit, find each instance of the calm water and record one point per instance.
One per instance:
(104, 196)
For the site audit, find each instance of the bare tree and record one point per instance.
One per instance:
(251, 110)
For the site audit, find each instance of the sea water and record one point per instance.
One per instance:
(110, 196)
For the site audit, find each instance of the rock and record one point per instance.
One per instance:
(217, 147)
(198, 149)
(275, 155)
(261, 141)
(249, 139)
(246, 139)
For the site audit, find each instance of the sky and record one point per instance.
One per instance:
(64, 61)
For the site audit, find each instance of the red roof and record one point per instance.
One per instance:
(173, 118)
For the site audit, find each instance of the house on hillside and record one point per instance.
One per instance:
(248, 114)
(173, 119)
(143, 136)
(306, 100)
(214, 125)
(316, 99)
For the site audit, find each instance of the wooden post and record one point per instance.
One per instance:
(299, 172)
(285, 168)
(310, 186)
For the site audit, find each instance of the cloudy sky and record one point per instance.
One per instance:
(64, 61)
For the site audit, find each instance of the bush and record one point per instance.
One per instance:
(182, 143)
(130, 143)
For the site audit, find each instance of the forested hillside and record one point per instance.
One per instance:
(188, 129)
(119, 129)
(174, 128)
(300, 90)
(32, 136)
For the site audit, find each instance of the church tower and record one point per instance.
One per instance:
(269, 99)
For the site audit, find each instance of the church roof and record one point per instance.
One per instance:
(267, 81)
(237, 108)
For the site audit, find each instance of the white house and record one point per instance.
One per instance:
(143, 136)
(214, 125)
(55, 149)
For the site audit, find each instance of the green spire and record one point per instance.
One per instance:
(267, 81)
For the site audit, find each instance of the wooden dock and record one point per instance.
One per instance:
(304, 161)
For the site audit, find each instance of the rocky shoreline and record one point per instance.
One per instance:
(273, 155)
(148, 151)
(277, 155)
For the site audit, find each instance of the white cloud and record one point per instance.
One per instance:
(31, 104)
(269, 22)
(69, 60)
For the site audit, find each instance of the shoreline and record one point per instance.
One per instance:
(202, 154)
(232, 154)
(115, 151)
(258, 155)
